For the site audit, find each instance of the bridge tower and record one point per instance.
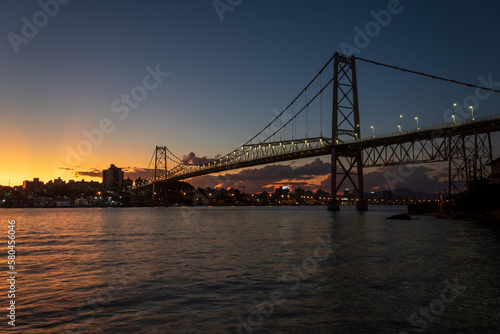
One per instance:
(160, 170)
(347, 164)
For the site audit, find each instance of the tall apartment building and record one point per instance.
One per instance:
(112, 178)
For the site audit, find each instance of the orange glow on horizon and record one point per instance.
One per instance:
(17, 166)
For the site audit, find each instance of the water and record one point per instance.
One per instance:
(251, 270)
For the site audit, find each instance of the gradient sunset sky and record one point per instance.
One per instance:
(224, 79)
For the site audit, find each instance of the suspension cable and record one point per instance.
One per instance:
(320, 109)
(180, 160)
(307, 114)
(302, 109)
(291, 103)
(429, 75)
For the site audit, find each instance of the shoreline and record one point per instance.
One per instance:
(490, 216)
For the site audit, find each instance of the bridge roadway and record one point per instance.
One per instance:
(412, 146)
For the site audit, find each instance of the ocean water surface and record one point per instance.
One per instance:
(251, 270)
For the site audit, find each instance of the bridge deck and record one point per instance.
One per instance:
(271, 152)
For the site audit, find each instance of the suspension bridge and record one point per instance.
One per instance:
(465, 145)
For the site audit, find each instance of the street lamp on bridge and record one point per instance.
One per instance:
(472, 110)
(416, 118)
(400, 132)
(453, 115)
(373, 131)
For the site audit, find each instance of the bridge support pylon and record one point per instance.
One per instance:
(346, 164)
(468, 156)
(159, 173)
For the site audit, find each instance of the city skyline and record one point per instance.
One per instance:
(209, 80)
(423, 178)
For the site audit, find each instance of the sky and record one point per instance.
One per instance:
(86, 84)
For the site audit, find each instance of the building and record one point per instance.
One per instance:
(41, 202)
(128, 183)
(495, 170)
(140, 182)
(112, 178)
(81, 202)
(387, 195)
(322, 194)
(282, 192)
(34, 186)
(83, 185)
(299, 193)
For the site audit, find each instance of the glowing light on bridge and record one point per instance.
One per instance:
(453, 115)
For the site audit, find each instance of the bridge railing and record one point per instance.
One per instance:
(253, 152)
(432, 127)
(268, 152)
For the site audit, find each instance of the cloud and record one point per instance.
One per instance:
(191, 158)
(268, 177)
(135, 172)
(274, 173)
(92, 173)
(310, 176)
(417, 178)
(129, 172)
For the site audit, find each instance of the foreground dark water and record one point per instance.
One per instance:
(251, 270)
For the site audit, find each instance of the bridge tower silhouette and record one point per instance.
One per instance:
(346, 123)
(160, 171)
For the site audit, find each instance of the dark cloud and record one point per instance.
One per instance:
(316, 175)
(92, 173)
(417, 178)
(315, 168)
(191, 158)
(267, 177)
(275, 173)
(135, 172)
(131, 172)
